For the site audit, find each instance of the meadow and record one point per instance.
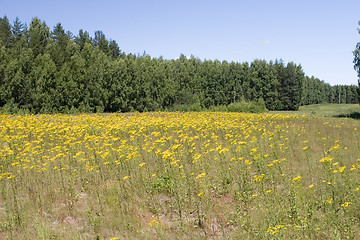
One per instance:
(332, 110)
(179, 175)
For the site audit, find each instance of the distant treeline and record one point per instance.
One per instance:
(45, 71)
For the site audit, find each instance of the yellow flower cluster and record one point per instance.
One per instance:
(275, 230)
(154, 221)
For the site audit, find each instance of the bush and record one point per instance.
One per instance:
(220, 108)
(179, 108)
(195, 107)
(249, 107)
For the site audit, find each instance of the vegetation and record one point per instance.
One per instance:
(179, 176)
(240, 106)
(331, 110)
(357, 62)
(47, 71)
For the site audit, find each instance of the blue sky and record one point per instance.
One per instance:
(318, 34)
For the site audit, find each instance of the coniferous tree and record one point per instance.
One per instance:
(60, 41)
(39, 34)
(83, 38)
(280, 74)
(114, 49)
(5, 32)
(290, 90)
(101, 42)
(19, 30)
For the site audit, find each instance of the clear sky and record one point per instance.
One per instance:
(318, 34)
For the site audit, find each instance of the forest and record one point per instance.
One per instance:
(49, 71)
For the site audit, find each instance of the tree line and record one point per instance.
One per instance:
(46, 71)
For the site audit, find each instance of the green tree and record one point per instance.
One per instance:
(3, 64)
(42, 89)
(58, 46)
(19, 31)
(5, 31)
(16, 85)
(83, 38)
(114, 49)
(39, 34)
(357, 63)
(264, 83)
(290, 87)
(101, 42)
(279, 66)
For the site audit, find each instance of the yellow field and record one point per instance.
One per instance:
(179, 176)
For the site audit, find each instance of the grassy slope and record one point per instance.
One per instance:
(331, 110)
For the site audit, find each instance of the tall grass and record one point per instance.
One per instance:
(179, 176)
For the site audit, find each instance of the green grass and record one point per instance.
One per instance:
(331, 110)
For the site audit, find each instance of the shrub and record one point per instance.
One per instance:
(195, 107)
(220, 108)
(249, 107)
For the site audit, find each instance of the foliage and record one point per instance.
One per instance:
(247, 107)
